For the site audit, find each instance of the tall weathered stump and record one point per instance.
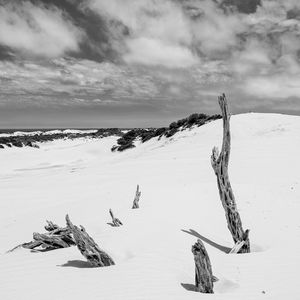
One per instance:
(220, 165)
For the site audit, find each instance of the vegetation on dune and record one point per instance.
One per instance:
(128, 139)
(31, 140)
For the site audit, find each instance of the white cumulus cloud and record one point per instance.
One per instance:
(37, 30)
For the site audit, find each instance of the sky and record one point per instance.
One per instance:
(137, 63)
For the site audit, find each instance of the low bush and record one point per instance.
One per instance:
(127, 140)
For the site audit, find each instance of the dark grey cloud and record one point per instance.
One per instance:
(163, 57)
(243, 6)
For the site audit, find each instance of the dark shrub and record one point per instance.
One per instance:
(28, 143)
(181, 122)
(202, 116)
(122, 141)
(130, 134)
(214, 117)
(192, 119)
(17, 144)
(171, 132)
(127, 146)
(147, 135)
(160, 131)
(173, 125)
(201, 122)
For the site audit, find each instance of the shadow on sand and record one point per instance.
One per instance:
(189, 287)
(77, 264)
(208, 241)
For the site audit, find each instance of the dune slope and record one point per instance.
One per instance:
(179, 203)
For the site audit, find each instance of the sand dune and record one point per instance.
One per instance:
(179, 204)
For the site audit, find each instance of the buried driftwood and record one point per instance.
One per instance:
(238, 246)
(115, 221)
(136, 198)
(203, 273)
(220, 165)
(87, 246)
(56, 238)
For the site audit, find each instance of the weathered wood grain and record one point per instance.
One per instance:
(136, 198)
(115, 221)
(219, 163)
(203, 272)
(88, 247)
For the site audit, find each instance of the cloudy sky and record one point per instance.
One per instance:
(108, 63)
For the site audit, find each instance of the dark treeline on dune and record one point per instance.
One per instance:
(126, 140)
(32, 140)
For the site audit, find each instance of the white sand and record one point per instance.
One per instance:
(179, 192)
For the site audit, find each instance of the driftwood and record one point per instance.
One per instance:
(203, 272)
(50, 226)
(87, 246)
(220, 165)
(136, 198)
(55, 238)
(115, 221)
(238, 246)
(50, 241)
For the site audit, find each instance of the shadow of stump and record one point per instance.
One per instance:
(189, 287)
(81, 264)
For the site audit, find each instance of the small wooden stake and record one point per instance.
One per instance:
(219, 163)
(136, 198)
(203, 272)
(115, 221)
(87, 246)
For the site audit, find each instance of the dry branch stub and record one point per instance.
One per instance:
(87, 246)
(203, 271)
(136, 198)
(219, 163)
(115, 221)
(50, 226)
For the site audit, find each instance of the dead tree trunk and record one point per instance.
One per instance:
(87, 246)
(50, 241)
(220, 165)
(136, 198)
(203, 272)
(115, 221)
